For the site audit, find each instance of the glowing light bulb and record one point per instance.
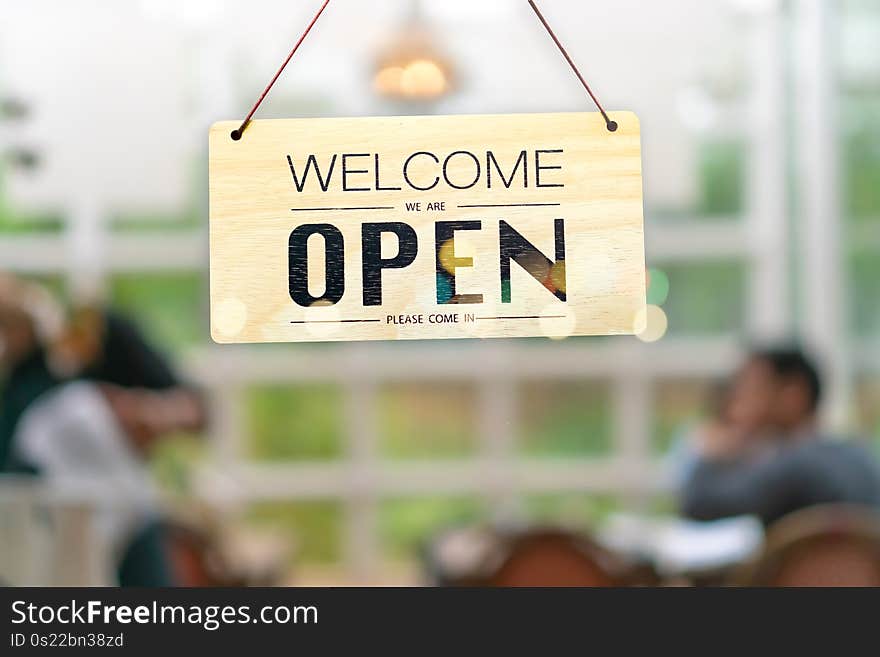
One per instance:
(387, 80)
(423, 78)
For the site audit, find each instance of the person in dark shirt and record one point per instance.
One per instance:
(145, 393)
(765, 456)
(39, 351)
(125, 358)
(101, 346)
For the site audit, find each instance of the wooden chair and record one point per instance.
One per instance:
(820, 546)
(200, 557)
(550, 557)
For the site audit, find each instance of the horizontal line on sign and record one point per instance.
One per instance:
(336, 321)
(528, 317)
(389, 207)
(512, 205)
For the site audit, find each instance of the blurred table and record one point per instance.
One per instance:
(655, 551)
(684, 551)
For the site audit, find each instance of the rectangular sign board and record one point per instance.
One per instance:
(426, 227)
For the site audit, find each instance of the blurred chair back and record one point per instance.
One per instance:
(46, 540)
(199, 558)
(554, 558)
(820, 546)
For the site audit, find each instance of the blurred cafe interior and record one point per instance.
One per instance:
(733, 441)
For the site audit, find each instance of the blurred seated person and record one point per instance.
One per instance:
(764, 454)
(75, 441)
(42, 352)
(29, 319)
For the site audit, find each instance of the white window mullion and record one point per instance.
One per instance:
(768, 316)
(820, 244)
(362, 550)
(496, 431)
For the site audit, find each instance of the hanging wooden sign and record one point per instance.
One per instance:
(426, 227)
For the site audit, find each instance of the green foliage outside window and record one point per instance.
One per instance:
(706, 298)
(677, 405)
(564, 419)
(13, 221)
(861, 161)
(865, 292)
(294, 423)
(404, 524)
(314, 529)
(721, 175)
(572, 510)
(170, 307)
(427, 421)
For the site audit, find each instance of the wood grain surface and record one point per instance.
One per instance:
(490, 188)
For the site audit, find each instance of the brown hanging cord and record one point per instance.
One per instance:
(611, 125)
(237, 134)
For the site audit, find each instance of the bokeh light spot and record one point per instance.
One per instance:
(658, 287)
(447, 256)
(653, 324)
(230, 317)
(556, 325)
